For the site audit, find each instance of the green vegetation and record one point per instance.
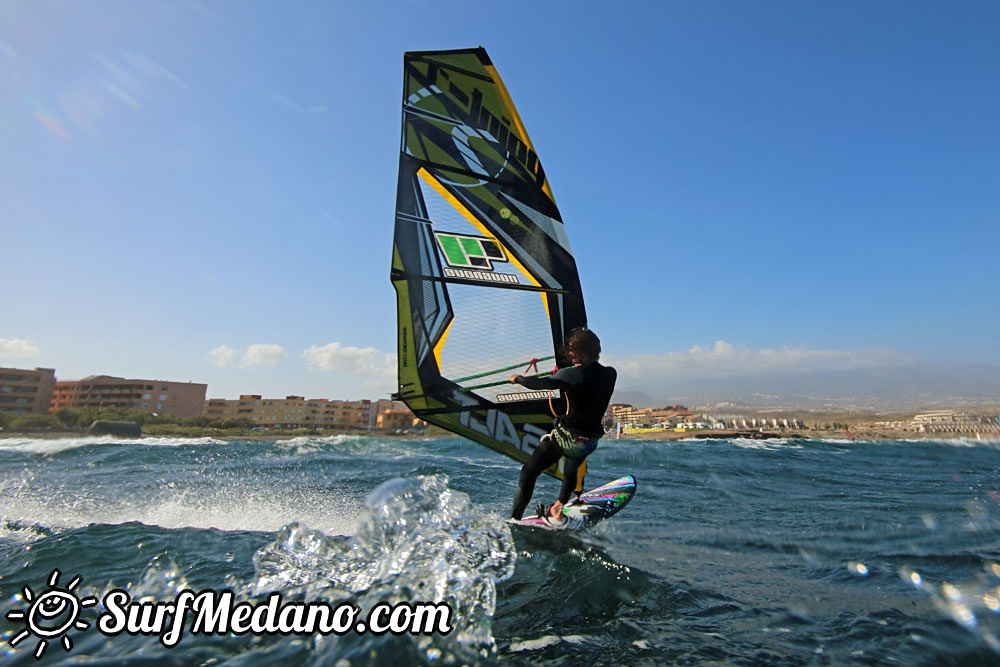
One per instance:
(81, 419)
(67, 418)
(199, 426)
(189, 431)
(33, 422)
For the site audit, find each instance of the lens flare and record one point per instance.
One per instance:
(53, 126)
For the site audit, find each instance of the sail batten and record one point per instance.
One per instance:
(458, 280)
(482, 267)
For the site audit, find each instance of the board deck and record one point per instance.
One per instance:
(590, 508)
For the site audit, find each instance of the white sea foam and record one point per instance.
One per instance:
(21, 532)
(534, 644)
(546, 641)
(417, 540)
(57, 445)
(770, 445)
(253, 509)
(960, 442)
(243, 508)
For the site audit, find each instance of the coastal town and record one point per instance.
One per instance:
(34, 399)
(677, 421)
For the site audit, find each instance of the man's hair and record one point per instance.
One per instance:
(584, 344)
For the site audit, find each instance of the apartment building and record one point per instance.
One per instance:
(26, 392)
(631, 416)
(294, 412)
(394, 415)
(949, 421)
(179, 399)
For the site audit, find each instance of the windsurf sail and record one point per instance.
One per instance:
(486, 284)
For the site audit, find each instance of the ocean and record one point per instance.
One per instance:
(733, 552)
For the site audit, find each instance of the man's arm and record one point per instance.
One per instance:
(539, 382)
(563, 379)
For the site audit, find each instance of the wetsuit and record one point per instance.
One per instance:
(588, 391)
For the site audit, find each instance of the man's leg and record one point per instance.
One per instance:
(571, 470)
(545, 454)
(580, 475)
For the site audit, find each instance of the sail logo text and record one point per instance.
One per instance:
(524, 396)
(481, 275)
(500, 427)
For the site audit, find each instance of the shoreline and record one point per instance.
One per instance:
(229, 437)
(809, 434)
(860, 435)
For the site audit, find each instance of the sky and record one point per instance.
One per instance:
(204, 191)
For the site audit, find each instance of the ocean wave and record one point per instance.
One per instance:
(787, 554)
(348, 445)
(768, 444)
(58, 445)
(972, 604)
(417, 540)
(963, 442)
(547, 641)
(19, 531)
(306, 445)
(246, 506)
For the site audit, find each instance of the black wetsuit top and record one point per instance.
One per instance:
(588, 390)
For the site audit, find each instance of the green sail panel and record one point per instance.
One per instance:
(486, 284)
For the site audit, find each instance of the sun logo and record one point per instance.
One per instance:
(51, 614)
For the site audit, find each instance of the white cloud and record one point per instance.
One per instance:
(18, 347)
(261, 354)
(724, 360)
(353, 360)
(223, 356)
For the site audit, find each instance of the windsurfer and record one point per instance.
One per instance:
(588, 386)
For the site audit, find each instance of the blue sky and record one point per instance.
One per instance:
(205, 191)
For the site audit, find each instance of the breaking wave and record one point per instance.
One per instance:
(417, 541)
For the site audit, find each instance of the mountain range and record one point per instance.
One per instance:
(915, 386)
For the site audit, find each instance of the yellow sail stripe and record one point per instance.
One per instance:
(508, 104)
(467, 214)
(440, 344)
